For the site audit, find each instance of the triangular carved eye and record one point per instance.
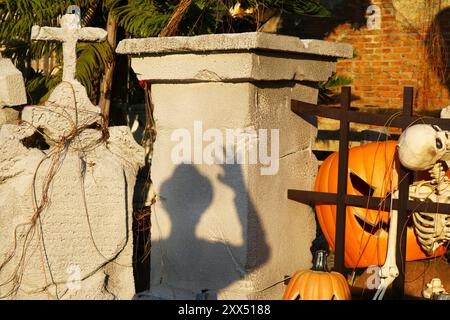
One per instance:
(361, 186)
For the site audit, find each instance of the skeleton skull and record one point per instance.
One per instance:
(421, 146)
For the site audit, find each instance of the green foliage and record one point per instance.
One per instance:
(39, 86)
(204, 17)
(327, 90)
(146, 18)
(139, 18)
(92, 58)
(301, 7)
(143, 18)
(18, 17)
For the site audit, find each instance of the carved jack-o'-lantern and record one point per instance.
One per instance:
(371, 170)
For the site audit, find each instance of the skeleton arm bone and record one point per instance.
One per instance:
(389, 271)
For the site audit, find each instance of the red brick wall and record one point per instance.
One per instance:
(389, 59)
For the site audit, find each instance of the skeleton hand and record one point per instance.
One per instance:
(434, 287)
(387, 273)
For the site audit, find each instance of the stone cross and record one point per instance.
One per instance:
(69, 34)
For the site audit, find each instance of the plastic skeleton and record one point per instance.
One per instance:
(434, 288)
(421, 147)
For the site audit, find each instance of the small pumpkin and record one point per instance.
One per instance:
(370, 174)
(317, 283)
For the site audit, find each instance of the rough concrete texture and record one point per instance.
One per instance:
(86, 228)
(233, 67)
(66, 211)
(68, 107)
(79, 246)
(227, 228)
(69, 34)
(243, 233)
(8, 115)
(198, 233)
(12, 86)
(288, 228)
(233, 58)
(234, 42)
(12, 92)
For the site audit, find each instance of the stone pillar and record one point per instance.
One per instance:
(228, 229)
(12, 91)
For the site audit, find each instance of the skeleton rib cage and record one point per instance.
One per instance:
(423, 147)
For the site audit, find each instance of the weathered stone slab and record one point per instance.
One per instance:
(12, 92)
(252, 67)
(234, 42)
(243, 57)
(12, 86)
(8, 115)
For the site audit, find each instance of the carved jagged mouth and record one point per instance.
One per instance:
(373, 229)
(367, 190)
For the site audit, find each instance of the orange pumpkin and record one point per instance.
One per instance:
(371, 170)
(317, 283)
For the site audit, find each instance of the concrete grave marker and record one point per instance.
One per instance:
(69, 34)
(69, 208)
(12, 91)
(68, 106)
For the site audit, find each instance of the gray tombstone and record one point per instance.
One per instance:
(12, 91)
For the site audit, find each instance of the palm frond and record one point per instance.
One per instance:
(327, 90)
(143, 18)
(92, 59)
(301, 7)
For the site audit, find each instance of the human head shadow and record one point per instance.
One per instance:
(186, 197)
(189, 195)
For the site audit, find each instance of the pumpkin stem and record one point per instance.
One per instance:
(320, 261)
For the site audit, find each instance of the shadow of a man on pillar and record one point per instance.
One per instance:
(210, 263)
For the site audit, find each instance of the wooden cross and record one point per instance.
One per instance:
(69, 34)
